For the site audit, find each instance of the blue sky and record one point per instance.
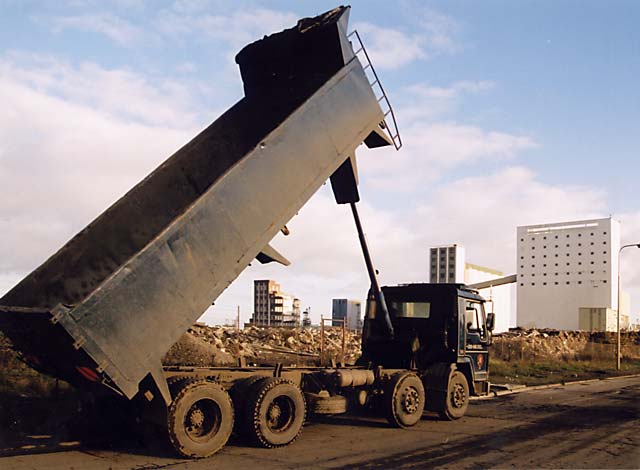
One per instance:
(512, 113)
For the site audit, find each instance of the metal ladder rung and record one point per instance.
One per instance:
(382, 98)
(373, 83)
(358, 51)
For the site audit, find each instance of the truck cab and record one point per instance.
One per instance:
(440, 330)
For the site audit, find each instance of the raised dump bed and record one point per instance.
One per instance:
(106, 307)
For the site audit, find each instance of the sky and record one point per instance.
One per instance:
(511, 113)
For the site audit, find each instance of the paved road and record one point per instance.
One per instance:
(592, 425)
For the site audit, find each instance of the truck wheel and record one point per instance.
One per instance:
(275, 412)
(200, 419)
(456, 401)
(404, 400)
(239, 395)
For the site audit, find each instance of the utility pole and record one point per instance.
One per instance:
(618, 342)
(238, 320)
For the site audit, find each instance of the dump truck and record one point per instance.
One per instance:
(103, 310)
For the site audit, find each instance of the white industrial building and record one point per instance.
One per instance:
(447, 264)
(568, 270)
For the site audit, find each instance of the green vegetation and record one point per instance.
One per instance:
(550, 371)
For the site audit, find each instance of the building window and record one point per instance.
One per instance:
(544, 246)
(556, 237)
(556, 255)
(533, 283)
(522, 239)
(544, 274)
(521, 284)
(605, 261)
(556, 246)
(544, 283)
(533, 256)
(568, 236)
(579, 282)
(568, 283)
(544, 256)
(533, 265)
(568, 264)
(604, 243)
(605, 281)
(556, 283)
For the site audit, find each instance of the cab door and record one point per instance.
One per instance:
(476, 338)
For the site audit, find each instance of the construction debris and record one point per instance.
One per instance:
(542, 344)
(219, 346)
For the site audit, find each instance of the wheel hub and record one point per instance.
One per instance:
(458, 396)
(196, 418)
(410, 400)
(274, 413)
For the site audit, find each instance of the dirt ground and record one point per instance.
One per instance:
(588, 425)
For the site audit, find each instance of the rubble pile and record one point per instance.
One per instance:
(542, 344)
(219, 346)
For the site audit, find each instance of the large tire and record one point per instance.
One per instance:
(240, 393)
(404, 400)
(200, 419)
(326, 405)
(453, 405)
(275, 412)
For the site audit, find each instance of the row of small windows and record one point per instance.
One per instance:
(580, 273)
(533, 239)
(557, 283)
(568, 254)
(568, 245)
(558, 264)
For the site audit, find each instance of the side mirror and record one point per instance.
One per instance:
(491, 321)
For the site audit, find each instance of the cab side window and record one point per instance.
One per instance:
(475, 320)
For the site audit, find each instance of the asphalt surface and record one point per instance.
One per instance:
(588, 425)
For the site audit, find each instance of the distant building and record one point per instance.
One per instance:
(565, 267)
(447, 264)
(500, 299)
(349, 310)
(306, 320)
(272, 307)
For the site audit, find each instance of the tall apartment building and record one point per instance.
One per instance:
(564, 267)
(447, 264)
(272, 307)
(349, 310)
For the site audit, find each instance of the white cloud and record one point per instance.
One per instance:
(112, 26)
(119, 92)
(424, 101)
(63, 161)
(389, 48)
(431, 148)
(235, 29)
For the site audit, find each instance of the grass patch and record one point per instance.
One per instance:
(547, 371)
